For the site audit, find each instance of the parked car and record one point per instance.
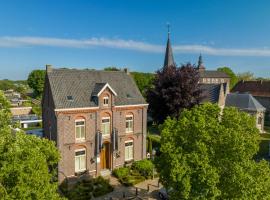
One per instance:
(163, 194)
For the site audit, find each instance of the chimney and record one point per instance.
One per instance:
(126, 70)
(49, 68)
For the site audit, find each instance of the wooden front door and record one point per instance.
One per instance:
(105, 156)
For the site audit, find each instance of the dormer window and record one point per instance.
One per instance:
(105, 101)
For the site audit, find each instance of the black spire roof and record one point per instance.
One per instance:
(200, 63)
(168, 61)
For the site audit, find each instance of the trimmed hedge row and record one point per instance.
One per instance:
(138, 172)
(87, 189)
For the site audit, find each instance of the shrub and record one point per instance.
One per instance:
(121, 172)
(144, 167)
(86, 189)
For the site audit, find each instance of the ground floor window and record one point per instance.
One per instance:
(129, 150)
(80, 160)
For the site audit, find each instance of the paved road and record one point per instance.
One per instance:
(130, 192)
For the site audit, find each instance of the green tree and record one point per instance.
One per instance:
(144, 81)
(26, 166)
(36, 81)
(245, 76)
(111, 69)
(230, 73)
(27, 163)
(5, 115)
(210, 156)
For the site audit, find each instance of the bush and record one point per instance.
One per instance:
(86, 189)
(127, 176)
(121, 172)
(144, 167)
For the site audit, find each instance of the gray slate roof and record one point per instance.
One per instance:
(83, 84)
(213, 74)
(210, 92)
(243, 102)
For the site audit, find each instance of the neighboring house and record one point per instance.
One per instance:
(24, 116)
(97, 119)
(247, 103)
(14, 98)
(214, 93)
(258, 89)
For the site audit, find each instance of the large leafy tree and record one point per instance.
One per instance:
(174, 88)
(27, 163)
(36, 81)
(230, 73)
(209, 155)
(144, 81)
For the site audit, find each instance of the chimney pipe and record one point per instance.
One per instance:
(49, 68)
(126, 70)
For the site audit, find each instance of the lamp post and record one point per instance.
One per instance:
(153, 158)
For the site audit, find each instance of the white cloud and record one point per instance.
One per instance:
(12, 42)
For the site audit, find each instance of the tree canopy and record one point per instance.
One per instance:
(144, 81)
(36, 81)
(230, 73)
(209, 155)
(174, 88)
(246, 76)
(27, 163)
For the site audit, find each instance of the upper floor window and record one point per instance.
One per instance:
(105, 101)
(80, 129)
(105, 125)
(129, 123)
(80, 160)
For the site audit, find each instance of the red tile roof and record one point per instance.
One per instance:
(256, 88)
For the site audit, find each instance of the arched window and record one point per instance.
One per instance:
(129, 123)
(260, 120)
(80, 129)
(129, 150)
(80, 160)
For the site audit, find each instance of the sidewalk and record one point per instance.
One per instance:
(131, 191)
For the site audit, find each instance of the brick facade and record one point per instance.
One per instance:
(59, 125)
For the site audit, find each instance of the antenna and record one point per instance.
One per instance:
(168, 27)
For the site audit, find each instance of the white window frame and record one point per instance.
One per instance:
(80, 157)
(102, 124)
(130, 122)
(80, 138)
(106, 101)
(129, 151)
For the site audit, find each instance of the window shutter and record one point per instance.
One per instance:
(100, 141)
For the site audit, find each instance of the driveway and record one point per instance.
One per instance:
(130, 192)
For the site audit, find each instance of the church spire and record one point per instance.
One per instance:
(200, 64)
(168, 61)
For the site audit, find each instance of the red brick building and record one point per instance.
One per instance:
(97, 119)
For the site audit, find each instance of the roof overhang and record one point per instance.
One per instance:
(104, 87)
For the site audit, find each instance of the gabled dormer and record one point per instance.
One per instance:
(103, 95)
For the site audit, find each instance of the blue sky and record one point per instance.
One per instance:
(133, 34)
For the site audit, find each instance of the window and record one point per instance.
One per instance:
(105, 101)
(105, 126)
(80, 129)
(80, 160)
(129, 123)
(129, 150)
(222, 80)
(260, 120)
